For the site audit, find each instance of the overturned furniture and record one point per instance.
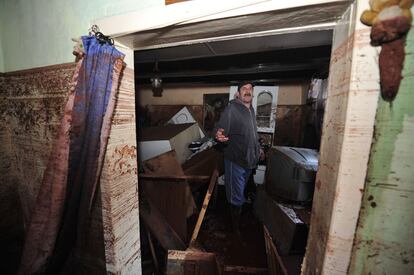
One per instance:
(288, 231)
(167, 204)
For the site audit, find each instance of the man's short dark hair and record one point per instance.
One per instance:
(242, 83)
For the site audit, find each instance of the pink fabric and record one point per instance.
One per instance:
(107, 121)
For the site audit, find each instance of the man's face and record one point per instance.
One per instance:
(246, 93)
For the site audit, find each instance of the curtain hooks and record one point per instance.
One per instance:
(93, 30)
(102, 39)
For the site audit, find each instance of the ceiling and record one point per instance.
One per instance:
(275, 58)
(276, 46)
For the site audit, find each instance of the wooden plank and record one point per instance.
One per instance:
(164, 164)
(206, 201)
(274, 262)
(191, 263)
(160, 228)
(173, 200)
(233, 269)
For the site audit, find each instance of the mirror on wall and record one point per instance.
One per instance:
(264, 109)
(264, 104)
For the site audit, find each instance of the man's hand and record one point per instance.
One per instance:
(220, 136)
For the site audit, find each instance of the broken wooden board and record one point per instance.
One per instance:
(192, 263)
(206, 201)
(159, 227)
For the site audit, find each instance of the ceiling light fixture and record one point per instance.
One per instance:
(156, 82)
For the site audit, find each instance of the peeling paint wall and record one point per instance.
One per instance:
(31, 111)
(11, 221)
(36, 34)
(6, 186)
(384, 241)
(346, 140)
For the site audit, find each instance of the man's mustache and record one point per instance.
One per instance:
(247, 94)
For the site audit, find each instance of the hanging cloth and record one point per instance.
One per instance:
(60, 218)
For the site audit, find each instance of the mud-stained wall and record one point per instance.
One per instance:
(119, 186)
(7, 188)
(31, 109)
(187, 94)
(11, 221)
(346, 140)
(291, 113)
(384, 243)
(290, 125)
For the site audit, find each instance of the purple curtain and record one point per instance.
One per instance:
(60, 218)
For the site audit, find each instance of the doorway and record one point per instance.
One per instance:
(341, 119)
(189, 75)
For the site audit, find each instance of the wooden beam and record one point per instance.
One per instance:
(206, 201)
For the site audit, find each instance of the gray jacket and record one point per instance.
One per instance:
(239, 124)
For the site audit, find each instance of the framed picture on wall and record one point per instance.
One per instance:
(213, 105)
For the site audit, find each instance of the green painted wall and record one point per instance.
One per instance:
(38, 33)
(384, 241)
(1, 36)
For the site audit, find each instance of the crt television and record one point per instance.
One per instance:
(291, 173)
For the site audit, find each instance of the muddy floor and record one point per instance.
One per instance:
(216, 235)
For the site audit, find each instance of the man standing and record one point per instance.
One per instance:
(237, 129)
